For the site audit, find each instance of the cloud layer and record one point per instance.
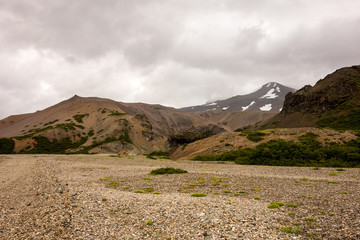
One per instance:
(176, 53)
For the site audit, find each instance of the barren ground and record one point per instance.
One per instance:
(92, 197)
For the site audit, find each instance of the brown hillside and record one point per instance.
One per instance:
(149, 127)
(232, 141)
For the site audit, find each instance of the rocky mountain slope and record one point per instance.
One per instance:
(269, 97)
(244, 110)
(332, 102)
(96, 125)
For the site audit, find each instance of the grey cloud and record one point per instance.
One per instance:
(170, 52)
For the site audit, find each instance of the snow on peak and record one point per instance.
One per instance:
(274, 85)
(268, 85)
(267, 107)
(270, 94)
(212, 104)
(225, 108)
(246, 107)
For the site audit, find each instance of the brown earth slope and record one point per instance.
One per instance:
(104, 125)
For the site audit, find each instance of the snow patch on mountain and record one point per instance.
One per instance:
(212, 104)
(270, 94)
(267, 107)
(246, 107)
(277, 89)
(274, 85)
(225, 108)
(268, 85)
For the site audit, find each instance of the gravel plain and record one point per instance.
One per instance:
(112, 197)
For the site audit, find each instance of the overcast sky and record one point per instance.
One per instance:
(173, 52)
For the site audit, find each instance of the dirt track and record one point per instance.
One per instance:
(92, 197)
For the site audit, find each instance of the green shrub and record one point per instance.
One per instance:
(168, 170)
(255, 136)
(6, 145)
(291, 230)
(116, 113)
(79, 117)
(159, 154)
(198, 194)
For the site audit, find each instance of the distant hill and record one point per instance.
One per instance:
(243, 110)
(97, 125)
(333, 102)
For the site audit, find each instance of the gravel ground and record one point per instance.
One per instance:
(93, 197)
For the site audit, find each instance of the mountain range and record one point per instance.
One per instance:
(98, 125)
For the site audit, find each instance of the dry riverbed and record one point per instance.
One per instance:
(105, 197)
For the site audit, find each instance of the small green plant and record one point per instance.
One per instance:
(291, 214)
(340, 170)
(296, 223)
(114, 211)
(126, 187)
(105, 179)
(344, 192)
(149, 189)
(113, 184)
(273, 205)
(332, 182)
(226, 191)
(255, 136)
(116, 113)
(331, 214)
(156, 193)
(242, 192)
(291, 230)
(293, 205)
(316, 168)
(228, 202)
(168, 170)
(139, 191)
(257, 189)
(257, 198)
(198, 194)
(310, 219)
(333, 174)
(304, 179)
(104, 199)
(148, 179)
(149, 223)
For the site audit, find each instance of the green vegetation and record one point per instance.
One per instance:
(91, 133)
(310, 219)
(293, 205)
(276, 205)
(348, 121)
(125, 137)
(307, 152)
(149, 223)
(257, 198)
(255, 136)
(6, 145)
(79, 117)
(44, 146)
(291, 230)
(116, 113)
(198, 194)
(51, 122)
(168, 170)
(139, 191)
(159, 154)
